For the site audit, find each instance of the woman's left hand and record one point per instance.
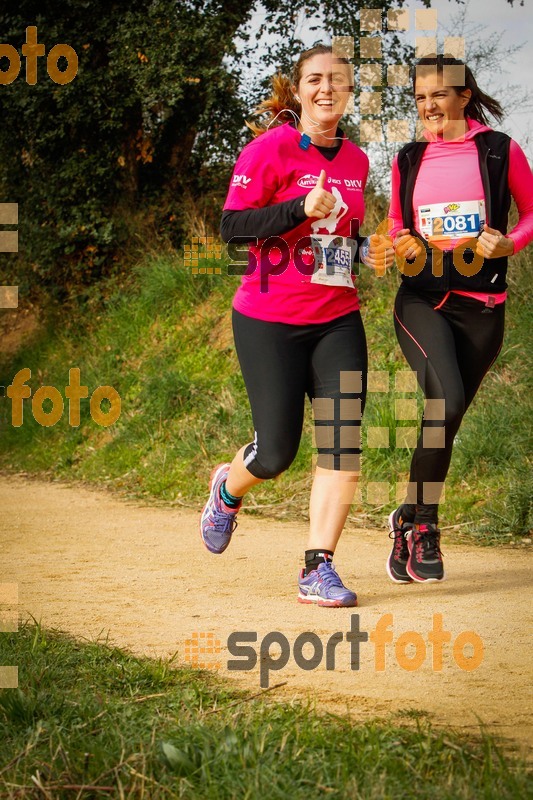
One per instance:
(493, 244)
(380, 253)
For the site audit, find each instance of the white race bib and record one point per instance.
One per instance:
(334, 256)
(452, 220)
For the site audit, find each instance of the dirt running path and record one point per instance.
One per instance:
(93, 565)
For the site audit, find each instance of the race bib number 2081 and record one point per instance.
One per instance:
(452, 220)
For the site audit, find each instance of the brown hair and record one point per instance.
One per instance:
(278, 107)
(479, 101)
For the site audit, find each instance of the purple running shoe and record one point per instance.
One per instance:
(218, 521)
(324, 587)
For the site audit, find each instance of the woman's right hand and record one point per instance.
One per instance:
(406, 246)
(319, 202)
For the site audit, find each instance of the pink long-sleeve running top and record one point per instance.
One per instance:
(452, 167)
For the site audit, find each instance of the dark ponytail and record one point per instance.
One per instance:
(479, 102)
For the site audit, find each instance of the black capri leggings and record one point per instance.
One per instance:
(451, 350)
(280, 364)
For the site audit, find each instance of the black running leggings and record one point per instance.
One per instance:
(280, 364)
(451, 350)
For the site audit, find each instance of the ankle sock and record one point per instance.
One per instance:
(315, 557)
(229, 499)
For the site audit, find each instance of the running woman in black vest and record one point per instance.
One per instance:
(451, 193)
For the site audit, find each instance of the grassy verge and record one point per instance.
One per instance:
(91, 721)
(163, 341)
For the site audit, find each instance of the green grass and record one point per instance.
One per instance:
(162, 338)
(84, 715)
(89, 715)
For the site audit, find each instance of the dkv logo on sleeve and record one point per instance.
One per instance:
(240, 180)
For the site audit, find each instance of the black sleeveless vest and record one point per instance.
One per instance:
(493, 154)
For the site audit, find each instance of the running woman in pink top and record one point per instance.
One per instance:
(451, 194)
(296, 202)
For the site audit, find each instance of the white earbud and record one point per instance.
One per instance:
(296, 97)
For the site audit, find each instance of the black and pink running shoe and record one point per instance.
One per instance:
(397, 561)
(425, 558)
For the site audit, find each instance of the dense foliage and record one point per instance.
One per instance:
(81, 159)
(142, 140)
(146, 131)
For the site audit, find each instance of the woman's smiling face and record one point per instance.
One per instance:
(439, 105)
(324, 88)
